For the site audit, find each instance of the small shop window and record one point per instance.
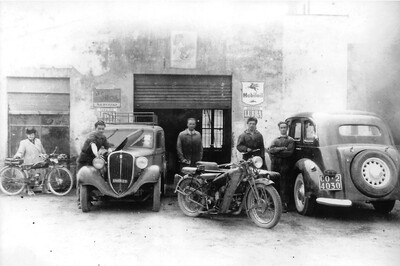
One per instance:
(52, 130)
(212, 128)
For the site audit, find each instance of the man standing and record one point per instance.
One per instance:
(31, 150)
(281, 149)
(251, 140)
(189, 145)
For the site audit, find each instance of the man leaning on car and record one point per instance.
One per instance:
(280, 150)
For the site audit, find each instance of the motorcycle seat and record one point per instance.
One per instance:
(209, 165)
(189, 170)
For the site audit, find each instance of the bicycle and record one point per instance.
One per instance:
(15, 177)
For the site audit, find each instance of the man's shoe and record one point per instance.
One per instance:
(284, 208)
(31, 193)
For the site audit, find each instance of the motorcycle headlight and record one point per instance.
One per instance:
(257, 161)
(142, 162)
(98, 163)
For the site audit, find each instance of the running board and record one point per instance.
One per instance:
(334, 202)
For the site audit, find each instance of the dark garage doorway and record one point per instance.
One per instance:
(175, 98)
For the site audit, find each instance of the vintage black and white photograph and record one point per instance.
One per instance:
(199, 132)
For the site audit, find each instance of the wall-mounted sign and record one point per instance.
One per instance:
(253, 111)
(253, 92)
(107, 98)
(183, 49)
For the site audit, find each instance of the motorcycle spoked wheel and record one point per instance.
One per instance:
(265, 212)
(188, 202)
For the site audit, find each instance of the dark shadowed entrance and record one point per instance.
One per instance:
(175, 98)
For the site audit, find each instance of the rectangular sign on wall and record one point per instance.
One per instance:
(253, 112)
(107, 98)
(183, 49)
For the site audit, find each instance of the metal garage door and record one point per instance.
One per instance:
(182, 92)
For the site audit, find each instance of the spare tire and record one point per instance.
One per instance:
(374, 173)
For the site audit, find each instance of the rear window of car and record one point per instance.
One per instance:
(360, 130)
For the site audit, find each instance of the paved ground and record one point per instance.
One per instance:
(50, 230)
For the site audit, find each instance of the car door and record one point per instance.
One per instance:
(295, 131)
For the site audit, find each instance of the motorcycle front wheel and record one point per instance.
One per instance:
(267, 209)
(191, 201)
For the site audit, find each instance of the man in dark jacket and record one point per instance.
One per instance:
(189, 145)
(91, 149)
(281, 150)
(251, 140)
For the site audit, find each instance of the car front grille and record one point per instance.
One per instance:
(120, 171)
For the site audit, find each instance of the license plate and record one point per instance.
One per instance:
(330, 182)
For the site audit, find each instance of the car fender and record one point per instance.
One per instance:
(90, 176)
(311, 174)
(150, 175)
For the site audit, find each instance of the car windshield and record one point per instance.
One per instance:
(116, 136)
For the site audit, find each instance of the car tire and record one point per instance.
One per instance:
(384, 206)
(84, 196)
(157, 196)
(374, 173)
(304, 205)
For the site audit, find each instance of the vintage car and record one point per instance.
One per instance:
(134, 170)
(341, 158)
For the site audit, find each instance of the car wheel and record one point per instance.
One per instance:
(384, 206)
(374, 173)
(157, 196)
(304, 205)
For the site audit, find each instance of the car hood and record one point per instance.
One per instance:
(138, 152)
(130, 139)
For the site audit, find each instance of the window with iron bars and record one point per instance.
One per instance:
(212, 128)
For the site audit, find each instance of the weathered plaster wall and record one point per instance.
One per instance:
(374, 69)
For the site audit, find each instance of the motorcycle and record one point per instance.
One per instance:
(229, 188)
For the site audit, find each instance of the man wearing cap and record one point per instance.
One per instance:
(281, 150)
(31, 150)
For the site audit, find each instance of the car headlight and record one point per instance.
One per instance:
(257, 161)
(98, 163)
(142, 162)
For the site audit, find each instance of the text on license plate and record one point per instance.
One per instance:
(330, 182)
(120, 180)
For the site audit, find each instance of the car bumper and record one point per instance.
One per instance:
(335, 202)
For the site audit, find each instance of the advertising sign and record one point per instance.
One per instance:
(183, 49)
(253, 92)
(107, 98)
(253, 112)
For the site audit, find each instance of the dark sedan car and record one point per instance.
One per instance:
(341, 158)
(135, 170)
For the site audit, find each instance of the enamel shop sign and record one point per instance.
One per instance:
(252, 111)
(253, 92)
(107, 98)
